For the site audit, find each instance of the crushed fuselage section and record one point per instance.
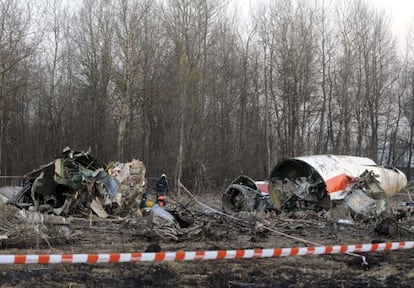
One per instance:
(329, 180)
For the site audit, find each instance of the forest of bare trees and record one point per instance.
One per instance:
(198, 90)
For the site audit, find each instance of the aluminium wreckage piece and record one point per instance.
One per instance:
(337, 183)
(67, 180)
(245, 194)
(324, 181)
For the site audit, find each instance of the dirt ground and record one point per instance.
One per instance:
(386, 269)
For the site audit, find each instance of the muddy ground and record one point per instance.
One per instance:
(93, 235)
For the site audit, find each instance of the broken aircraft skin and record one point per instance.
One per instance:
(56, 186)
(245, 194)
(348, 187)
(329, 181)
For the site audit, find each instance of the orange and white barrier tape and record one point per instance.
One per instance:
(200, 255)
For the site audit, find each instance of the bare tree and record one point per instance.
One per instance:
(93, 34)
(188, 24)
(51, 108)
(363, 74)
(407, 89)
(291, 72)
(18, 42)
(128, 61)
(327, 45)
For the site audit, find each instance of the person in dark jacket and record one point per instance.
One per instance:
(162, 189)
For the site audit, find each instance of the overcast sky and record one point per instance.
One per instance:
(401, 13)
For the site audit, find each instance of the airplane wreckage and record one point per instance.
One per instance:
(76, 181)
(347, 187)
(75, 184)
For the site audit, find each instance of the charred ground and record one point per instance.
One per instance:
(130, 234)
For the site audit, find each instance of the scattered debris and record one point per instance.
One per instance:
(20, 225)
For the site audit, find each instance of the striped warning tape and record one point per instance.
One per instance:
(200, 255)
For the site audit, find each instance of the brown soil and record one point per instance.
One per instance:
(386, 269)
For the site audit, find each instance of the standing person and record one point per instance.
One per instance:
(161, 189)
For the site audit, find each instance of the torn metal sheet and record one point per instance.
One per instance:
(243, 194)
(359, 202)
(263, 187)
(96, 206)
(3, 199)
(8, 192)
(77, 181)
(110, 183)
(161, 224)
(54, 187)
(160, 214)
(311, 180)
